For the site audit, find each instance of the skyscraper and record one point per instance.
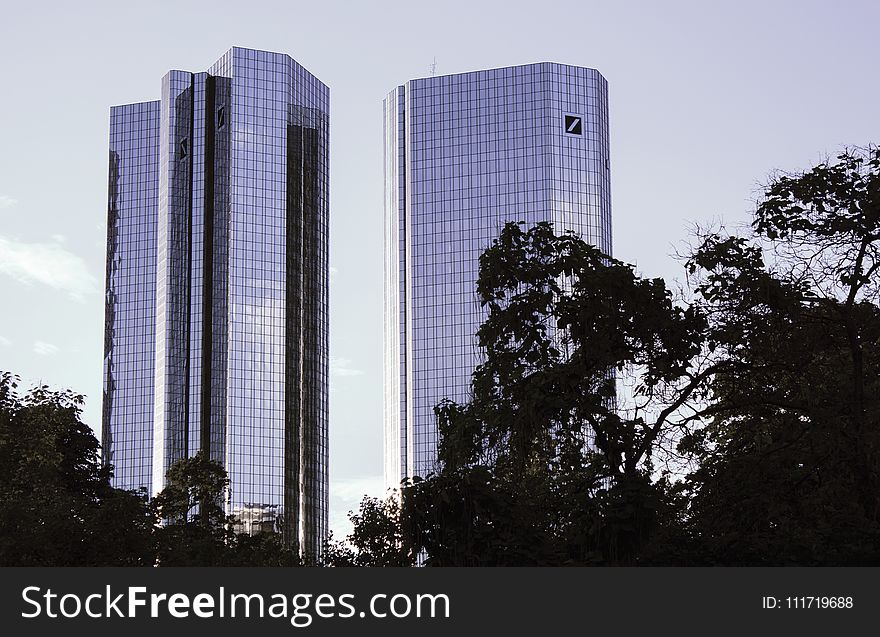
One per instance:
(464, 154)
(216, 330)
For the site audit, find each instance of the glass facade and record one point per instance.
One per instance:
(217, 288)
(464, 154)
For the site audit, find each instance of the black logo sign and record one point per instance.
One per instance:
(573, 125)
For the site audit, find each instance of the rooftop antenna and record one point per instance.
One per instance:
(433, 66)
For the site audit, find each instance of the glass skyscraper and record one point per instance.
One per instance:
(464, 154)
(216, 327)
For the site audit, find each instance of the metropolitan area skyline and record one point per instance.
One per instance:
(700, 103)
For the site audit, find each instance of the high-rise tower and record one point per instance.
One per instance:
(216, 334)
(464, 154)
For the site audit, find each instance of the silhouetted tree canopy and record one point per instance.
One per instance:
(58, 508)
(376, 540)
(614, 424)
(788, 468)
(196, 530)
(610, 423)
(542, 466)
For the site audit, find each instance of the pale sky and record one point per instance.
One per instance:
(706, 99)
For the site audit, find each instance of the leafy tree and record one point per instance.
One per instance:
(788, 465)
(542, 466)
(377, 538)
(57, 507)
(194, 528)
(765, 381)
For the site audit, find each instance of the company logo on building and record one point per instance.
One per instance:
(574, 125)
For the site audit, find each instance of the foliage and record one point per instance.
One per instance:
(747, 431)
(58, 508)
(56, 503)
(788, 464)
(542, 466)
(376, 539)
(195, 529)
(764, 382)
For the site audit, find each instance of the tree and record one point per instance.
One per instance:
(788, 464)
(377, 538)
(763, 381)
(543, 466)
(57, 507)
(193, 528)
